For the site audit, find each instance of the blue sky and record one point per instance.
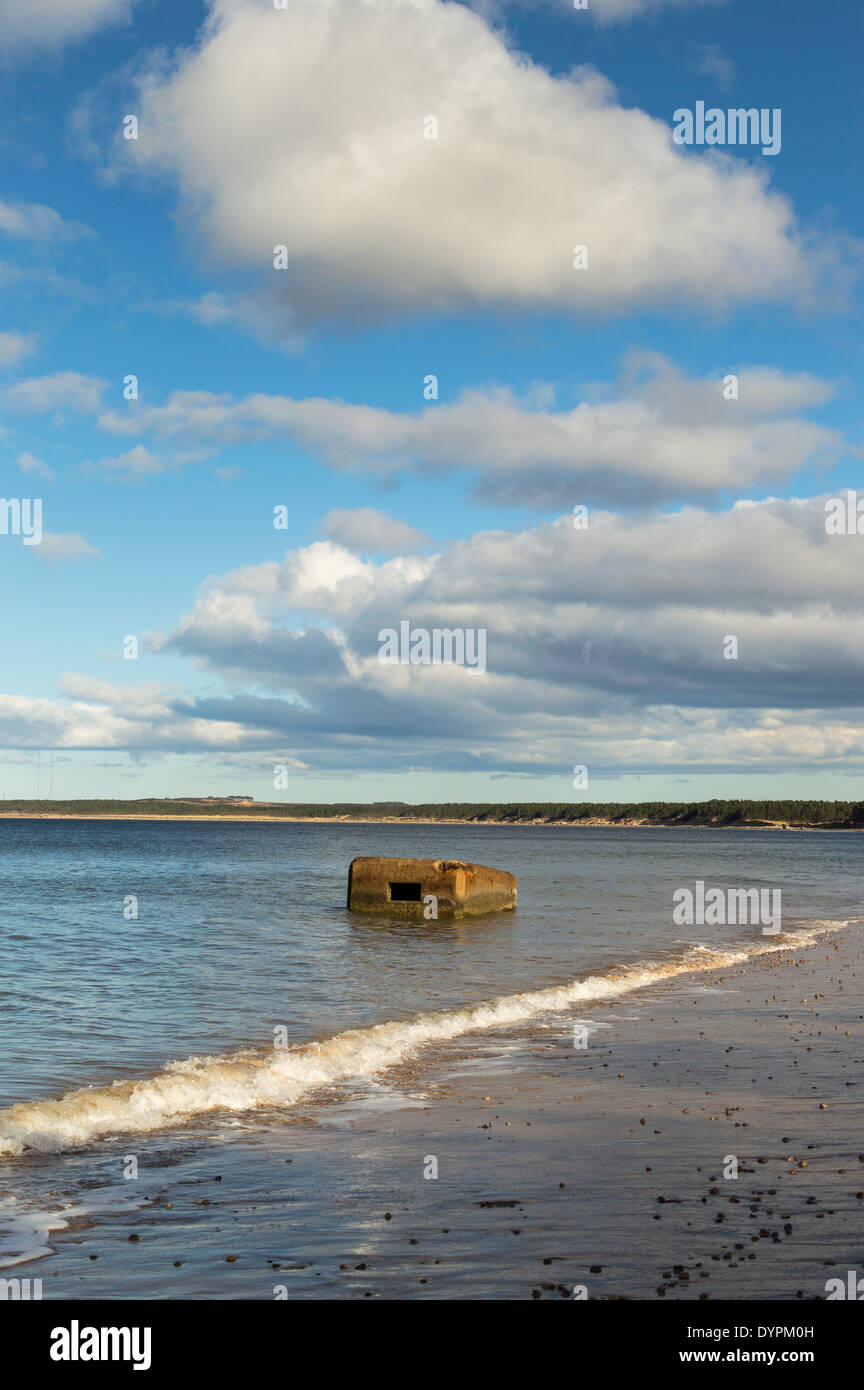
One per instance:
(304, 127)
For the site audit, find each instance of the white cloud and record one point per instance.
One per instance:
(370, 532)
(29, 463)
(620, 11)
(602, 12)
(56, 548)
(710, 61)
(132, 467)
(101, 715)
(603, 645)
(49, 24)
(253, 313)
(15, 346)
(55, 393)
(655, 434)
(36, 222)
(324, 152)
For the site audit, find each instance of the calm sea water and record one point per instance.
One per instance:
(155, 1035)
(242, 928)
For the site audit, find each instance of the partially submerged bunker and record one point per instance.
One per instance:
(403, 887)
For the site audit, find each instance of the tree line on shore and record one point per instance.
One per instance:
(838, 815)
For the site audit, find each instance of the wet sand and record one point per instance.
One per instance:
(558, 1168)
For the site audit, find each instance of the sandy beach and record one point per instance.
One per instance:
(558, 1168)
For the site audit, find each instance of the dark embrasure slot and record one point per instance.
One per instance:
(405, 892)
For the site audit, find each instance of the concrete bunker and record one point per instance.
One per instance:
(404, 887)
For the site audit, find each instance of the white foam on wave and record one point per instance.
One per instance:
(248, 1079)
(24, 1229)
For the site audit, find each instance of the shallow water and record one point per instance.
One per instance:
(242, 930)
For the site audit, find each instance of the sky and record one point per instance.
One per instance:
(317, 265)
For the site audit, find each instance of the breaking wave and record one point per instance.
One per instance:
(249, 1079)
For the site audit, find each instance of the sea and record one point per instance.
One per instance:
(173, 987)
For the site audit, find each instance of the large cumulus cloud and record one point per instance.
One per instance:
(304, 127)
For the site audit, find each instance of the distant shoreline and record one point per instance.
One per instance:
(714, 814)
(587, 823)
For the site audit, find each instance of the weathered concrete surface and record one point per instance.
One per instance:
(400, 886)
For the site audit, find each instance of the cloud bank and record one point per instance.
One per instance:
(653, 436)
(605, 646)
